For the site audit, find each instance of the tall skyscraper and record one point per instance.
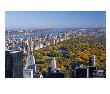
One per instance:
(31, 45)
(54, 40)
(92, 60)
(54, 63)
(52, 66)
(30, 66)
(81, 72)
(13, 64)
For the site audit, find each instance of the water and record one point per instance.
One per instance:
(38, 33)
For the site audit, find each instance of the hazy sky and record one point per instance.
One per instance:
(54, 19)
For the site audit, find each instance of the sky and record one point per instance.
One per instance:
(54, 19)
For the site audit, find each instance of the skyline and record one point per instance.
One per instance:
(54, 19)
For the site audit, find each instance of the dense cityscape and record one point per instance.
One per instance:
(55, 53)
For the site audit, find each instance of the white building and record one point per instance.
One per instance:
(30, 66)
(54, 63)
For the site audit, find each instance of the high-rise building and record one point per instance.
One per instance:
(54, 41)
(53, 72)
(13, 64)
(30, 61)
(81, 72)
(54, 63)
(52, 66)
(92, 60)
(91, 70)
(30, 66)
(31, 44)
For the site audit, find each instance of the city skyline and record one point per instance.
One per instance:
(54, 19)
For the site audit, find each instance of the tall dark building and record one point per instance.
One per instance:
(13, 64)
(92, 60)
(73, 68)
(81, 72)
(50, 70)
(92, 70)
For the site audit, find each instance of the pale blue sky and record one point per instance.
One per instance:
(54, 19)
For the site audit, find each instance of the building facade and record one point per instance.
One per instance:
(13, 64)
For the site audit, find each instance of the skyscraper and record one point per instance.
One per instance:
(54, 63)
(13, 64)
(52, 66)
(30, 66)
(31, 45)
(92, 60)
